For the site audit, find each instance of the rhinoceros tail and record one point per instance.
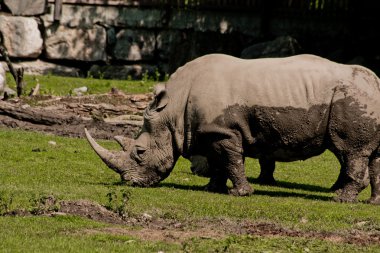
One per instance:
(113, 159)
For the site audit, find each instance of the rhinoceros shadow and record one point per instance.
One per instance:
(293, 185)
(266, 193)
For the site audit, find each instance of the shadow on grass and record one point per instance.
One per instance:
(257, 192)
(296, 186)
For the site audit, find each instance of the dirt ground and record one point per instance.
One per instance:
(147, 227)
(151, 228)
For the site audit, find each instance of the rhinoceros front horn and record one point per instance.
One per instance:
(113, 159)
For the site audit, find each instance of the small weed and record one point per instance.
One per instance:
(157, 75)
(42, 204)
(117, 202)
(145, 77)
(89, 75)
(101, 75)
(6, 200)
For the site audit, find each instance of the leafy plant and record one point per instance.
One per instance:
(42, 204)
(6, 200)
(117, 201)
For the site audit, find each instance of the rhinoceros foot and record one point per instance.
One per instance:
(244, 190)
(374, 200)
(347, 194)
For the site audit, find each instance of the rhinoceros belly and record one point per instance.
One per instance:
(287, 134)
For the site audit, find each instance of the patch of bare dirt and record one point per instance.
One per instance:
(105, 115)
(147, 227)
(170, 230)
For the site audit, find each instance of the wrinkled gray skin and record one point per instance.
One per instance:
(279, 109)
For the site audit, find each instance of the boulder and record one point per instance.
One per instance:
(134, 45)
(22, 38)
(26, 7)
(280, 47)
(76, 44)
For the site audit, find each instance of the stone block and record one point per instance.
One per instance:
(26, 7)
(134, 45)
(22, 38)
(76, 44)
(87, 16)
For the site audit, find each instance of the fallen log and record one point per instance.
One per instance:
(68, 116)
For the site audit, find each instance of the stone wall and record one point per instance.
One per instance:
(124, 40)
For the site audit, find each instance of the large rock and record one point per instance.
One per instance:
(22, 38)
(280, 47)
(76, 44)
(87, 16)
(134, 45)
(26, 7)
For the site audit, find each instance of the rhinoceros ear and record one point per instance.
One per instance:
(160, 97)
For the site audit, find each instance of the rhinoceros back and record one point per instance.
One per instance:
(300, 82)
(268, 100)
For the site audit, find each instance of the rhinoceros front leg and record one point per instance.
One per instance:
(374, 175)
(267, 167)
(357, 178)
(227, 161)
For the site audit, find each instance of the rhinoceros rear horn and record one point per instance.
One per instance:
(113, 159)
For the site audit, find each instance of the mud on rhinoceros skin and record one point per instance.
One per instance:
(267, 153)
(285, 109)
(277, 140)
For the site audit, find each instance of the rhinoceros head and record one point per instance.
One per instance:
(150, 157)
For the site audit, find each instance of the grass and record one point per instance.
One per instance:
(32, 169)
(55, 85)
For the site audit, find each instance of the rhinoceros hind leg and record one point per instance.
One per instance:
(267, 167)
(357, 178)
(339, 184)
(374, 174)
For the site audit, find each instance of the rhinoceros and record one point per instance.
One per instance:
(274, 109)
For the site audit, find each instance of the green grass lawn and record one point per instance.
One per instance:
(55, 85)
(32, 169)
